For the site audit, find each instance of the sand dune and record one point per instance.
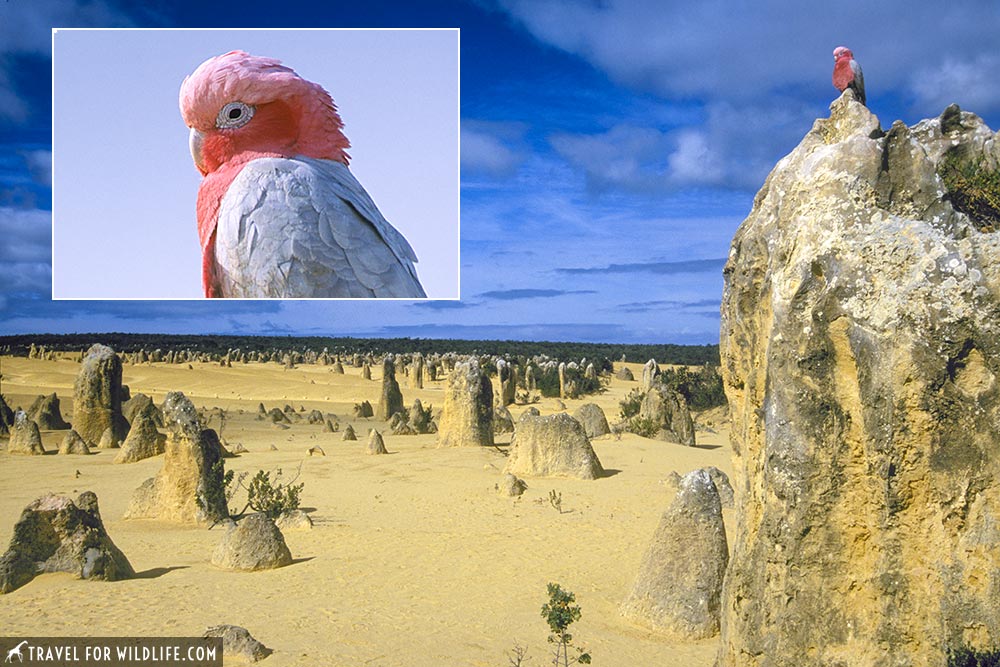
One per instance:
(413, 558)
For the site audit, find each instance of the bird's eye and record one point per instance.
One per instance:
(233, 115)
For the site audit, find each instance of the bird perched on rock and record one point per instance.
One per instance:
(279, 212)
(847, 73)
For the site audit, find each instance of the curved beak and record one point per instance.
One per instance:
(194, 144)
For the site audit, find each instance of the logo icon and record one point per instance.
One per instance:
(16, 651)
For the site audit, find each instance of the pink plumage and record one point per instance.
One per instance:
(847, 73)
(279, 213)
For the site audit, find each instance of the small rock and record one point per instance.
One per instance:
(238, 643)
(375, 443)
(511, 486)
(72, 443)
(293, 520)
(24, 436)
(254, 543)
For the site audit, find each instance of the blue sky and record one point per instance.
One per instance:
(609, 150)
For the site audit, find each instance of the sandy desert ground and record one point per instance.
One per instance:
(413, 560)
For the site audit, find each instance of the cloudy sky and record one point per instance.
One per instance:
(609, 150)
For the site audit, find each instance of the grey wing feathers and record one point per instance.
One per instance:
(306, 228)
(859, 81)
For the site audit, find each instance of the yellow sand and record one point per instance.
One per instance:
(414, 559)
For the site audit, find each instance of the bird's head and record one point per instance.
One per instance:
(842, 52)
(237, 104)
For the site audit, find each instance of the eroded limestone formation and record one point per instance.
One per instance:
(552, 446)
(24, 436)
(467, 416)
(860, 352)
(391, 400)
(679, 586)
(97, 396)
(669, 411)
(188, 489)
(56, 534)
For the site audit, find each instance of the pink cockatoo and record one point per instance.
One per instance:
(847, 73)
(279, 212)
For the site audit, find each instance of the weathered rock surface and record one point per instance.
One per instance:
(278, 416)
(6, 414)
(679, 587)
(54, 534)
(722, 485)
(143, 404)
(143, 440)
(238, 643)
(669, 410)
(349, 433)
(46, 413)
(591, 416)
(253, 543)
(375, 443)
(624, 373)
(188, 489)
(503, 421)
(97, 396)
(467, 416)
(72, 443)
(650, 372)
(511, 486)
(507, 383)
(108, 440)
(417, 372)
(552, 446)
(421, 418)
(391, 401)
(24, 436)
(860, 352)
(293, 520)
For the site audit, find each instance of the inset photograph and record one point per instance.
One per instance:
(255, 164)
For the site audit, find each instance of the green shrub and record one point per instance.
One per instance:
(965, 657)
(646, 427)
(547, 382)
(560, 612)
(632, 403)
(272, 497)
(974, 189)
(265, 494)
(702, 389)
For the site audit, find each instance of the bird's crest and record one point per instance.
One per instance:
(255, 80)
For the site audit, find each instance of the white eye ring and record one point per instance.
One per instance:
(233, 115)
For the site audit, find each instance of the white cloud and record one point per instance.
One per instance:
(718, 49)
(734, 147)
(970, 82)
(693, 161)
(27, 26)
(39, 165)
(27, 235)
(493, 148)
(627, 157)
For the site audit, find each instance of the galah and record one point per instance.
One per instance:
(279, 212)
(847, 73)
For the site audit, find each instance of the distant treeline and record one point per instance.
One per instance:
(692, 355)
